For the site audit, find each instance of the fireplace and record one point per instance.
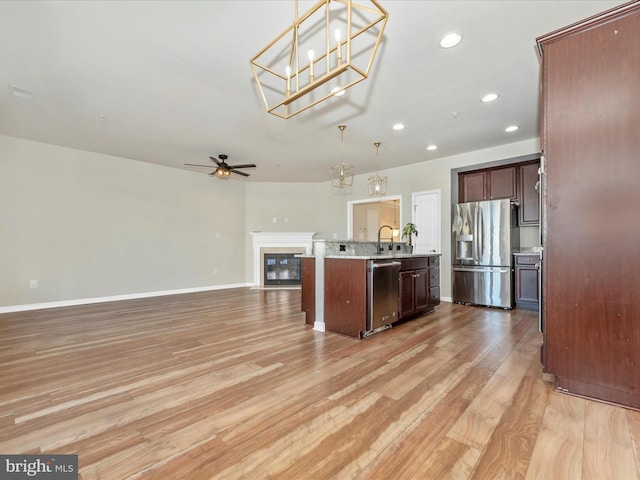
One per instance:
(267, 243)
(281, 269)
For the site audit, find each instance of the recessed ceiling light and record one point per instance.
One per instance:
(398, 126)
(490, 97)
(432, 147)
(511, 128)
(337, 91)
(450, 40)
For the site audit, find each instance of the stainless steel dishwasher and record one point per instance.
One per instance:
(382, 293)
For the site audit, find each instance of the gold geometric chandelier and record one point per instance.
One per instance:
(342, 173)
(377, 184)
(328, 49)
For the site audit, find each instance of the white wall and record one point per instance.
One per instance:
(313, 208)
(87, 225)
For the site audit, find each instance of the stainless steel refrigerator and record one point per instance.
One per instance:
(484, 236)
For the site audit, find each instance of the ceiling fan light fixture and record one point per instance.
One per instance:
(224, 170)
(333, 40)
(377, 183)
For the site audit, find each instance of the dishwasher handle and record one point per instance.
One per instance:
(386, 264)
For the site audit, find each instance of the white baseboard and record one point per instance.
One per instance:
(114, 298)
(446, 299)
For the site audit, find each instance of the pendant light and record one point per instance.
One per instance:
(342, 173)
(304, 65)
(377, 183)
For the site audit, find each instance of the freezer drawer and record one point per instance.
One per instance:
(489, 286)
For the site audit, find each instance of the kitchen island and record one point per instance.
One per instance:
(348, 291)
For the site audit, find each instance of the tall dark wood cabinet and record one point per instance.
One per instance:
(591, 217)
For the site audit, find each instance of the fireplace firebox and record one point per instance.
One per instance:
(281, 269)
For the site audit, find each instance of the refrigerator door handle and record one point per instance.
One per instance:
(482, 269)
(480, 228)
(476, 232)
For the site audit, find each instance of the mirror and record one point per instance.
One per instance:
(365, 217)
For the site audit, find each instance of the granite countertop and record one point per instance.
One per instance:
(383, 257)
(528, 251)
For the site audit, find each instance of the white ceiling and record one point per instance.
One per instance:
(170, 83)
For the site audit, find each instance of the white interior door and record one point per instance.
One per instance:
(426, 217)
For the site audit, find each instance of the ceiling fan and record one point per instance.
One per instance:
(224, 170)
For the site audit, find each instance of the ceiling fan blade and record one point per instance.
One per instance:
(246, 165)
(194, 165)
(239, 172)
(216, 160)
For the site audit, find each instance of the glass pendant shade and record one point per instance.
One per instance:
(377, 183)
(342, 173)
(377, 186)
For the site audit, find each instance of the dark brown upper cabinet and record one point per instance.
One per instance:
(488, 184)
(515, 181)
(529, 211)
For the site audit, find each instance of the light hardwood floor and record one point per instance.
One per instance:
(233, 385)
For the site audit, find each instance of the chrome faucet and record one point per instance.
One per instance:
(380, 249)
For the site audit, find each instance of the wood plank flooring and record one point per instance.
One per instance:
(233, 385)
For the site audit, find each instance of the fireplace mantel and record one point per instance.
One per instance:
(302, 240)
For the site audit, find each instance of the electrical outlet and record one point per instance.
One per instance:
(33, 283)
(286, 220)
(217, 234)
(274, 219)
(214, 271)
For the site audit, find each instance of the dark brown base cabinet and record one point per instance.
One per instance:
(591, 239)
(345, 296)
(419, 284)
(345, 292)
(526, 285)
(309, 289)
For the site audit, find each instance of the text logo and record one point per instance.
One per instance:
(49, 467)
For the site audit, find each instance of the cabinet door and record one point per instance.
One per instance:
(529, 198)
(434, 286)
(473, 186)
(406, 301)
(502, 182)
(591, 289)
(345, 296)
(309, 289)
(527, 282)
(421, 287)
